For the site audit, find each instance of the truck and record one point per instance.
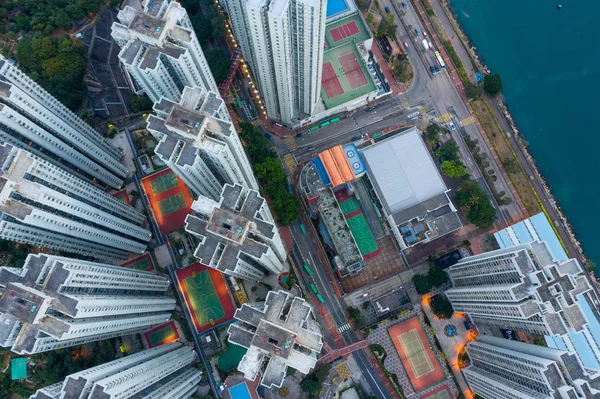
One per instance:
(425, 44)
(440, 59)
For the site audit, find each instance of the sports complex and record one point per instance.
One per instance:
(345, 74)
(169, 199)
(416, 355)
(162, 334)
(358, 225)
(206, 296)
(143, 263)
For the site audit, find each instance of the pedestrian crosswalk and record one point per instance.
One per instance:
(291, 143)
(289, 162)
(422, 110)
(344, 328)
(403, 102)
(445, 118)
(467, 121)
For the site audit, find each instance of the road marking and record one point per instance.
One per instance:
(257, 122)
(445, 118)
(290, 163)
(291, 143)
(413, 115)
(422, 110)
(375, 382)
(343, 328)
(467, 121)
(403, 101)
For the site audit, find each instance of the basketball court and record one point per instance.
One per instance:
(416, 354)
(362, 234)
(169, 198)
(144, 263)
(206, 296)
(349, 206)
(163, 334)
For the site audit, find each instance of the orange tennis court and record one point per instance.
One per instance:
(416, 354)
(331, 84)
(352, 70)
(169, 199)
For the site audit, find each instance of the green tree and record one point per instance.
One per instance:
(43, 48)
(473, 91)
(140, 104)
(437, 276)
(402, 70)
(219, 64)
(511, 165)
(387, 26)
(355, 316)
(421, 283)
(591, 265)
(454, 169)
(471, 196)
(370, 18)
(312, 383)
(492, 84)
(432, 132)
(539, 341)
(449, 151)
(22, 21)
(366, 305)
(270, 172)
(202, 27)
(442, 308)
(362, 4)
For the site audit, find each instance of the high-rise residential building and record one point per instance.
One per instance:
(281, 332)
(32, 119)
(199, 146)
(164, 372)
(282, 41)
(42, 204)
(522, 288)
(505, 369)
(160, 51)
(56, 302)
(237, 235)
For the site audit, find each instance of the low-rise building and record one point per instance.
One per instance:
(280, 333)
(237, 235)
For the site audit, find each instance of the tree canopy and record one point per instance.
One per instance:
(492, 84)
(473, 91)
(312, 383)
(140, 103)
(442, 307)
(387, 26)
(454, 169)
(432, 132)
(219, 64)
(425, 282)
(449, 151)
(471, 196)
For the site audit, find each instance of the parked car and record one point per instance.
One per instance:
(362, 136)
(452, 127)
(387, 9)
(432, 69)
(437, 68)
(404, 5)
(356, 138)
(424, 34)
(405, 43)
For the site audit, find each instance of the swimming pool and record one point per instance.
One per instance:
(335, 7)
(239, 391)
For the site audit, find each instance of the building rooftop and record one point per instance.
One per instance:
(153, 53)
(281, 329)
(147, 24)
(228, 225)
(402, 171)
(185, 120)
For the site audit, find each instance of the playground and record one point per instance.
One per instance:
(163, 334)
(169, 199)
(143, 263)
(416, 354)
(206, 296)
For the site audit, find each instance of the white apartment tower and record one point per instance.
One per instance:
(282, 41)
(237, 235)
(160, 51)
(56, 302)
(164, 372)
(522, 288)
(281, 332)
(504, 369)
(42, 204)
(198, 145)
(32, 119)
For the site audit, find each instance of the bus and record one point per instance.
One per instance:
(307, 268)
(312, 129)
(377, 135)
(314, 288)
(320, 298)
(302, 228)
(440, 59)
(334, 120)
(325, 124)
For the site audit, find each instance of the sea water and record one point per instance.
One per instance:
(549, 61)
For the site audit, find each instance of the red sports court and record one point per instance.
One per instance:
(352, 70)
(415, 352)
(162, 334)
(344, 31)
(330, 82)
(143, 262)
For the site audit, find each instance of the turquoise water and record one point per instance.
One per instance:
(549, 62)
(335, 7)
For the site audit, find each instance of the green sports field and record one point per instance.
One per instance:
(141, 264)
(203, 298)
(172, 204)
(164, 183)
(362, 234)
(166, 334)
(349, 206)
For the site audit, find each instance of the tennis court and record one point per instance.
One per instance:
(352, 70)
(349, 206)
(172, 204)
(362, 234)
(416, 354)
(206, 296)
(164, 183)
(344, 31)
(331, 84)
(144, 263)
(163, 334)
(442, 392)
